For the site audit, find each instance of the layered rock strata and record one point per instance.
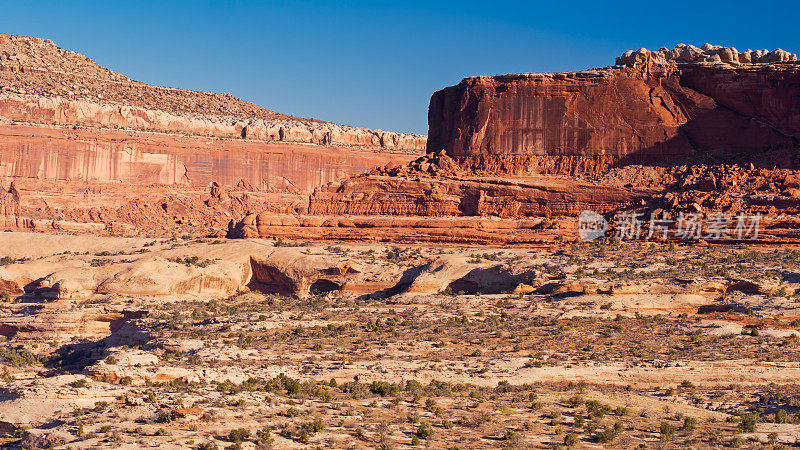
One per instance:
(92, 151)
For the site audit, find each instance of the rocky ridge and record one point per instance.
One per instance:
(42, 83)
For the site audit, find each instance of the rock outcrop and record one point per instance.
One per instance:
(707, 104)
(427, 196)
(707, 53)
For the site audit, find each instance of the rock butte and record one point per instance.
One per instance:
(692, 104)
(683, 130)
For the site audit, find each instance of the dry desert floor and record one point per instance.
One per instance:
(200, 343)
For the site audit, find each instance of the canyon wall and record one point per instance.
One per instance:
(376, 195)
(127, 182)
(685, 104)
(91, 150)
(106, 156)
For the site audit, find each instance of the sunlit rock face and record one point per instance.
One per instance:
(41, 153)
(651, 107)
(125, 182)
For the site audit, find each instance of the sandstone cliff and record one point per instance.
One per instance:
(92, 151)
(710, 103)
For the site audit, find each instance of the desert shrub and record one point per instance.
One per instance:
(596, 409)
(291, 412)
(608, 435)
(384, 388)
(621, 411)
(17, 357)
(748, 423)
(666, 429)
(509, 434)
(315, 426)
(356, 390)
(575, 401)
(424, 431)
(570, 439)
(238, 434)
(264, 436)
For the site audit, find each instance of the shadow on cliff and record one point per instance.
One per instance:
(721, 136)
(402, 285)
(75, 357)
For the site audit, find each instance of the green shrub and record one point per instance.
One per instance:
(607, 436)
(383, 388)
(315, 426)
(748, 423)
(570, 439)
(17, 357)
(264, 436)
(238, 434)
(666, 429)
(575, 401)
(424, 431)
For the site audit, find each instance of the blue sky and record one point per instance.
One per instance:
(375, 64)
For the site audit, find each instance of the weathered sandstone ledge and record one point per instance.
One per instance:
(62, 111)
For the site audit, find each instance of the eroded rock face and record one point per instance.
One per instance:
(380, 195)
(653, 107)
(288, 271)
(707, 53)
